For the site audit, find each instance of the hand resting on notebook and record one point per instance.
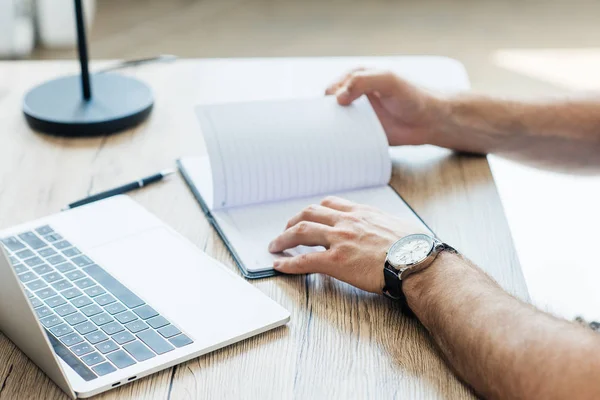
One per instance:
(356, 237)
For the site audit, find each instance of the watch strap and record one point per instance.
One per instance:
(393, 284)
(393, 289)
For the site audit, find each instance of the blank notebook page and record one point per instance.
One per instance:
(271, 151)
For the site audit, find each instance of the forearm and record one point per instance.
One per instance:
(499, 345)
(484, 125)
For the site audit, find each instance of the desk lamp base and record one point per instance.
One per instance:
(57, 107)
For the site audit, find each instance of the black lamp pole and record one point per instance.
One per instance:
(83, 54)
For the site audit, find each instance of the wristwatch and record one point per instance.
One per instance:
(411, 254)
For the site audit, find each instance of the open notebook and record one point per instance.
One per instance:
(268, 160)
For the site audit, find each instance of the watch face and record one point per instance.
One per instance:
(410, 250)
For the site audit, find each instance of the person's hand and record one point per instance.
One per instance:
(408, 115)
(356, 238)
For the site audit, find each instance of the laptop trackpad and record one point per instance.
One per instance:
(185, 285)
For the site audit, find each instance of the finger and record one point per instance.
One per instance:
(315, 213)
(333, 88)
(303, 233)
(365, 82)
(337, 203)
(302, 264)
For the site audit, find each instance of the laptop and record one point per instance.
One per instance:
(105, 294)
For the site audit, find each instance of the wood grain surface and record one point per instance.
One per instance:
(341, 342)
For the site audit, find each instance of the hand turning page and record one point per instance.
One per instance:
(272, 151)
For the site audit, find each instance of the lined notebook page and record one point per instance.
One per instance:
(271, 151)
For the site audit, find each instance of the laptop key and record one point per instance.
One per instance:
(43, 269)
(36, 285)
(136, 326)
(92, 359)
(71, 339)
(181, 340)
(96, 337)
(35, 302)
(52, 277)
(29, 294)
(46, 252)
(84, 283)
(26, 253)
(169, 331)
(63, 244)
(71, 293)
(43, 311)
(115, 308)
(94, 291)
(32, 240)
(103, 369)
(82, 261)
(102, 319)
(53, 237)
(55, 301)
(65, 267)
(105, 299)
(157, 322)
(107, 346)
(91, 310)
(155, 341)
(81, 301)
(74, 318)
(121, 359)
(27, 277)
(72, 252)
(123, 337)
(34, 261)
(44, 230)
(45, 293)
(139, 351)
(112, 328)
(85, 328)
(61, 330)
(50, 321)
(82, 349)
(145, 312)
(20, 268)
(12, 243)
(65, 310)
(74, 275)
(126, 317)
(62, 285)
(57, 259)
(13, 260)
(115, 287)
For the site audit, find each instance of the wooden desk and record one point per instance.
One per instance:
(341, 342)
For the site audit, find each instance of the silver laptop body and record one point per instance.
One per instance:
(105, 294)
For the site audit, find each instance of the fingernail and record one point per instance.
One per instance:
(276, 264)
(272, 246)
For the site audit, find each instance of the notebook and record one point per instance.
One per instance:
(268, 160)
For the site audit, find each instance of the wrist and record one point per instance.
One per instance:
(424, 288)
(438, 117)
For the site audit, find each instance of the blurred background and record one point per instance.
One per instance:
(517, 48)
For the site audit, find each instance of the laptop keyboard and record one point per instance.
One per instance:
(95, 323)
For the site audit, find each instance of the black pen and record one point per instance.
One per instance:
(122, 189)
